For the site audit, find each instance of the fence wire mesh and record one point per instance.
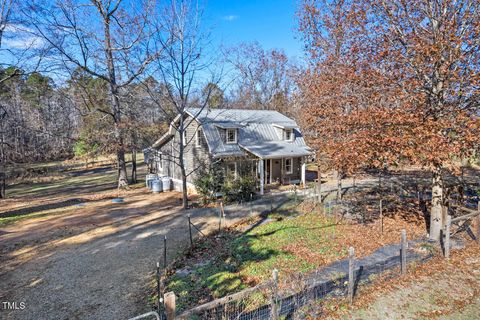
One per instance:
(298, 295)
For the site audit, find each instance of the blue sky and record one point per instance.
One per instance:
(271, 23)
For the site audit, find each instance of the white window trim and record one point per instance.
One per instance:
(291, 134)
(235, 134)
(184, 138)
(291, 166)
(197, 137)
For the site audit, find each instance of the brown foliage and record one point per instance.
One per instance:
(391, 81)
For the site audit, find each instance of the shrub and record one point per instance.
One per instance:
(240, 189)
(208, 183)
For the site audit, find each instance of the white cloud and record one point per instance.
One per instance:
(21, 37)
(230, 17)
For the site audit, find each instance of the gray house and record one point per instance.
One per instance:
(262, 143)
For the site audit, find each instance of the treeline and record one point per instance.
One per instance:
(97, 78)
(43, 121)
(39, 123)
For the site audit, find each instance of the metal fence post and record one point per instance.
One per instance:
(403, 252)
(158, 287)
(274, 306)
(190, 230)
(170, 305)
(165, 252)
(351, 267)
(447, 237)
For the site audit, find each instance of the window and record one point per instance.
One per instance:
(198, 139)
(231, 136)
(232, 169)
(289, 134)
(185, 137)
(289, 165)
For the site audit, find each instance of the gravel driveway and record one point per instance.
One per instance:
(96, 260)
(93, 262)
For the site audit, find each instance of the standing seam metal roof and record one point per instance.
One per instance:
(256, 132)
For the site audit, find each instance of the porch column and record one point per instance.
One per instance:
(261, 171)
(303, 170)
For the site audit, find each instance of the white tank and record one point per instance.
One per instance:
(157, 186)
(167, 183)
(149, 178)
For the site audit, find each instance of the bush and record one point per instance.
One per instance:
(238, 190)
(208, 184)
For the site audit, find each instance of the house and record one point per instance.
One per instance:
(262, 143)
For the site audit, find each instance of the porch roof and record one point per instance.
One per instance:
(277, 149)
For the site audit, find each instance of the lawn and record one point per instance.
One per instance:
(293, 243)
(59, 187)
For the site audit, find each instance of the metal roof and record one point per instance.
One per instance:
(257, 133)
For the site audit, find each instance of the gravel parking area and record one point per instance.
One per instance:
(92, 262)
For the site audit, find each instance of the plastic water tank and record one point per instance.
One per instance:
(167, 183)
(157, 186)
(149, 178)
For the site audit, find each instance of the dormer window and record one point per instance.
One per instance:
(289, 134)
(231, 136)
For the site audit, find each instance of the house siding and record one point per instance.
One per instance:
(195, 155)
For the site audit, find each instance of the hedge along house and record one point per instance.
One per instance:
(262, 143)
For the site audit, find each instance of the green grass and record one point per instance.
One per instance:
(9, 220)
(233, 261)
(66, 186)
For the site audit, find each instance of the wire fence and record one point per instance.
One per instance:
(289, 297)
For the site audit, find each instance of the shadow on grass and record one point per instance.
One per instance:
(43, 207)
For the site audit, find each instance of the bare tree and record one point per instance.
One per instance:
(183, 68)
(261, 78)
(119, 54)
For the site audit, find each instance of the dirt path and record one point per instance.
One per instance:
(93, 262)
(96, 260)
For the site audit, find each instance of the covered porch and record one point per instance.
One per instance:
(281, 170)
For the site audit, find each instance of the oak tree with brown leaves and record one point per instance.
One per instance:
(390, 82)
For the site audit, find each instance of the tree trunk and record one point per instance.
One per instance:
(182, 163)
(436, 214)
(184, 175)
(3, 185)
(115, 104)
(134, 166)
(339, 186)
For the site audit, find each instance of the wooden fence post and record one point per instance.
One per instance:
(274, 307)
(478, 222)
(220, 217)
(170, 306)
(190, 231)
(319, 187)
(295, 193)
(351, 279)
(381, 214)
(447, 237)
(403, 252)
